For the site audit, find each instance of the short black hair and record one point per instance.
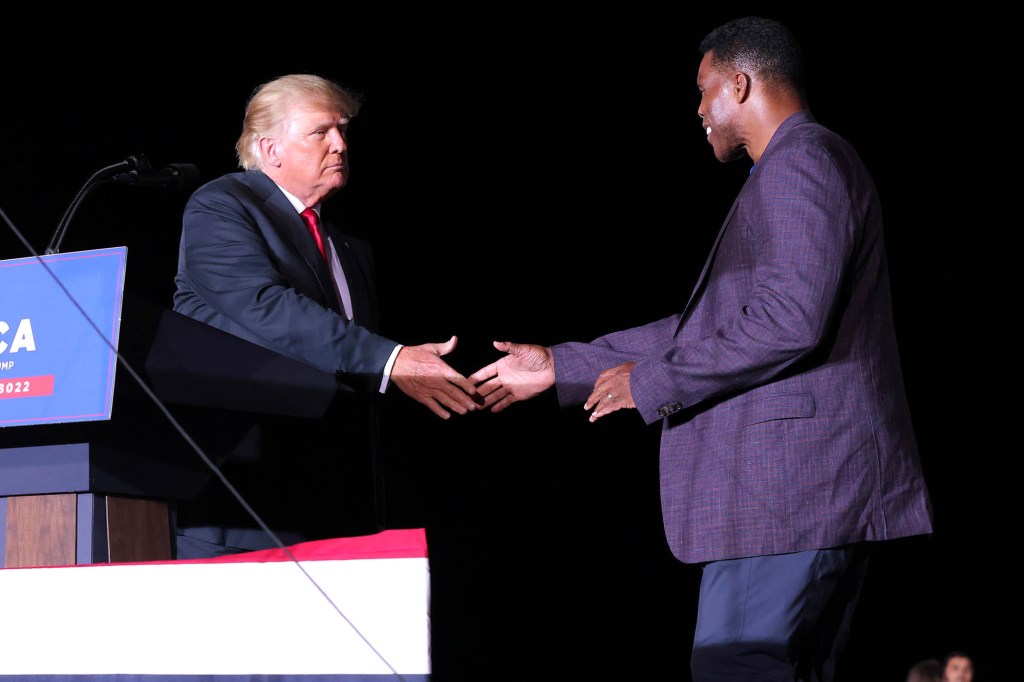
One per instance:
(759, 46)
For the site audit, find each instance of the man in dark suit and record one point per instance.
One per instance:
(787, 447)
(256, 261)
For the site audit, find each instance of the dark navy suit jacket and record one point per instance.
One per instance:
(248, 266)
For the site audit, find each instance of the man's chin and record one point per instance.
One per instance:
(335, 180)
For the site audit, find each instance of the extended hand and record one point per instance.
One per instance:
(422, 375)
(527, 370)
(611, 392)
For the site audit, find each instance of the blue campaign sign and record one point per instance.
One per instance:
(60, 316)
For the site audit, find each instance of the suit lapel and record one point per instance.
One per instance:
(355, 276)
(290, 224)
(702, 280)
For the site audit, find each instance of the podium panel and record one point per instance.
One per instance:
(40, 530)
(66, 529)
(138, 530)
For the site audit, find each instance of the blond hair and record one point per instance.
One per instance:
(270, 103)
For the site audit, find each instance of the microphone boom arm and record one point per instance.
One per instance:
(98, 178)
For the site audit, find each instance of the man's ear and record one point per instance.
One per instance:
(741, 86)
(268, 150)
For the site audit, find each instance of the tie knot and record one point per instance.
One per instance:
(309, 215)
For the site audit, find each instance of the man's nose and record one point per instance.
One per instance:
(338, 143)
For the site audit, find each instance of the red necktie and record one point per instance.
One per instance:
(309, 215)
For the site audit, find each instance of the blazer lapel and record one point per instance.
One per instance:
(294, 230)
(355, 276)
(702, 279)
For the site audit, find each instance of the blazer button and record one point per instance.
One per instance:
(666, 410)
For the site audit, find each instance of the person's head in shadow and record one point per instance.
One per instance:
(958, 666)
(927, 670)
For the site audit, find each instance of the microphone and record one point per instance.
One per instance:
(135, 170)
(175, 176)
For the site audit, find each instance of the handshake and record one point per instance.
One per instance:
(525, 371)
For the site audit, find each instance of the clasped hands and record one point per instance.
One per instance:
(525, 371)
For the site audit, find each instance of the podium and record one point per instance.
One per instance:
(105, 490)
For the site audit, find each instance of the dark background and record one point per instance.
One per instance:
(543, 178)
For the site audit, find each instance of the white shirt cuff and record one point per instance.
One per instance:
(387, 368)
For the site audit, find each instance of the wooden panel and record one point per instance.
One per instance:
(41, 530)
(138, 530)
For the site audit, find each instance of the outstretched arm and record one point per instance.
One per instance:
(526, 370)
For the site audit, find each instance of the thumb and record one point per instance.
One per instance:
(448, 346)
(503, 346)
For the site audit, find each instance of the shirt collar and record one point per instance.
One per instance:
(296, 203)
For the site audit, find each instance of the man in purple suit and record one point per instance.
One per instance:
(787, 448)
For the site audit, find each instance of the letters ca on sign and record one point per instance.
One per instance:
(22, 339)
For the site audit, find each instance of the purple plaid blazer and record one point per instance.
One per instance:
(785, 425)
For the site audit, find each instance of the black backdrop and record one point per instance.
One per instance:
(543, 178)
